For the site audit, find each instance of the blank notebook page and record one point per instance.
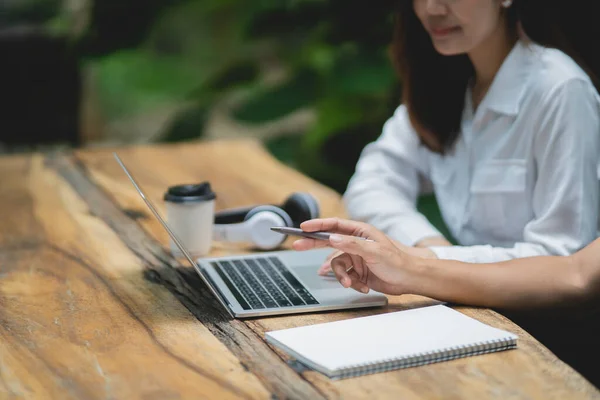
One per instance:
(399, 339)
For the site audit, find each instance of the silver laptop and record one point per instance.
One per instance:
(270, 283)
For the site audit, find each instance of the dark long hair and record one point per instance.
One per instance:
(434, 85)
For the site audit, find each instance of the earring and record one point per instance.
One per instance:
(507, 3)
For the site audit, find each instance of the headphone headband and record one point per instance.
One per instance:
(232, 215)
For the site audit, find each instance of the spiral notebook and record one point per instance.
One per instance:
(390, 341)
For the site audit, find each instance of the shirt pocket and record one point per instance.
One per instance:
(500, 176)
(499, 201)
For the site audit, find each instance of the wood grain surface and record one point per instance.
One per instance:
(92, 304)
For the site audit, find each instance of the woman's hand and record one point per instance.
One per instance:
(377, 264)
(326, 266)
(419, 250)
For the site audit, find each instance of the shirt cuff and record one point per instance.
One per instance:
(470, 254)
(412, 232)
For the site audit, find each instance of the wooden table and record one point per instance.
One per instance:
(92, 305)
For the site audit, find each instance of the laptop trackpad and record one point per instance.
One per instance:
(309, 277)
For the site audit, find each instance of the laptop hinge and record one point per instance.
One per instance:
(218, 290)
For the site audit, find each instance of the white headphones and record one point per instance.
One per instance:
(253, 224)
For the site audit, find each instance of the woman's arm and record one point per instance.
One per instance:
(533, 282)
(384, 188)
(521, 283)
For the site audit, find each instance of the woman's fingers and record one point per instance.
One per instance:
(325, 268)
(357, 284)
(353, 245)
(309, 244)
(358, 267)
(346, 274)
(335, 225)
(341, 265)
(356, 263)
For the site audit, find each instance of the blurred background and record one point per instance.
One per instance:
(311, 79)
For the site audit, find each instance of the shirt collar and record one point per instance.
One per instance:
(509, 85)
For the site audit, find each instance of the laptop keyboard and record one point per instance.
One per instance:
(262, 282)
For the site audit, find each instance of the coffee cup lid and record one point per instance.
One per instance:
(190, 193)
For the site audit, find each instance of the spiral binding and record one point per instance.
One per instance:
(417, 359)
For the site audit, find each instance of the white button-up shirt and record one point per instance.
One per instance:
(521, 180)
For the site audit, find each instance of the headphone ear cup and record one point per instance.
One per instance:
(301, 207)
(259, 221)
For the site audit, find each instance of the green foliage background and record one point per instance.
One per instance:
(332, 55)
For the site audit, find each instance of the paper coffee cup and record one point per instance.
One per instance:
(190, 215)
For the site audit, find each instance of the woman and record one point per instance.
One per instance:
(504, 127)
(527, 283)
